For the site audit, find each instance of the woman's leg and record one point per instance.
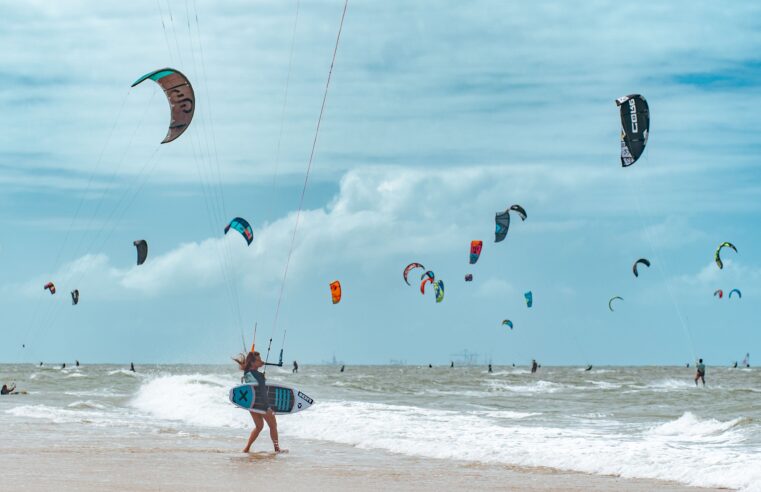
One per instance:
(269, 417)
(258, 426)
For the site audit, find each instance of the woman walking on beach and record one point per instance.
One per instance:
(250, 365)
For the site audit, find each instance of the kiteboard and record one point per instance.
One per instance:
(282, 399)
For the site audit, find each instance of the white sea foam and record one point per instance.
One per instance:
(195, 399)
(471, 436)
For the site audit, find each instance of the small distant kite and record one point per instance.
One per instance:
(475, 250)
(242, 226)
(469, 277)
(335, 291)
(508, 323)
(410, 267)
(529, 298)
(426, 280)
(716, 255)
(739, 294)
(142, 250)
(438, 288)
(51, 287)
(718, 292)
(610, 302)
(429, 274)
(179, 93)
(643, 261)
(635, 125)
(75, 297)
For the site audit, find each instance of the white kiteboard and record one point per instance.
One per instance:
(282, 399)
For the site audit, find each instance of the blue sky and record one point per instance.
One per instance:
(439, 115)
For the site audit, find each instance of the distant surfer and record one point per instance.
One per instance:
(451, 365)
(490, 368)
(589, 368)
(7, 391)
(132, 366)
(295, 367)
(701, 374)
(250, 364)
(342, 368)
(735, 366)
(430, 366)
(688, 365)
(63, 366)
(77, 363)
(534, 366)
(40, 364)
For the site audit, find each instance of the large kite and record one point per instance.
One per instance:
(335, 291)
(502, 221)
(716, 255)
(635, 126)
(242, 226)
(142, 250)
(179, 93)
(475, 250)
(410, 267)
(644, 261)
(438, 288)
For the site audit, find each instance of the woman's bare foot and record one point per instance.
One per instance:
(245, 450)
(277, 446)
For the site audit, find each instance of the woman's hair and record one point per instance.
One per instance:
(246, 361)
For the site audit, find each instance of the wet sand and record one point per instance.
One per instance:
(169, 462)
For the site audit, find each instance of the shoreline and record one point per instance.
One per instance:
(167, 462)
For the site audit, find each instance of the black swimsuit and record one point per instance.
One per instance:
(261, 402)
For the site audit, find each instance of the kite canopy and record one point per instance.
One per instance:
(739, 294)
(181, 98)
(51, 287)
(718, 292)
(475, 250)
(644, 261)
(716, 255)
(410, 267)
(507, 322)
(520, 210)
(428, 274)
(75, 297)
(502, 221)
(469, 277)
(610, 302)
(335, 291)
(242, 226)
(438, 288)
(529, 298)
(142, 250)
(635, 126)
(426, 280)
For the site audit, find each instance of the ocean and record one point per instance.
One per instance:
(631, 422)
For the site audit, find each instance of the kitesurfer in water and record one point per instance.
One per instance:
(250, 365)
(295, 367)
(701, 374)
(451, 364)
(490, 368)
(6, 390)
(589, 368)
(132, 366)
(735, 366)
(342, 368)
(534, 366)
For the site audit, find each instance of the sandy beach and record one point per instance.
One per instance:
(154, 462)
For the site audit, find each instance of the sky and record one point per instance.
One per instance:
(439, 114)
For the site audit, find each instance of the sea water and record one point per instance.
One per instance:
(634, 422)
